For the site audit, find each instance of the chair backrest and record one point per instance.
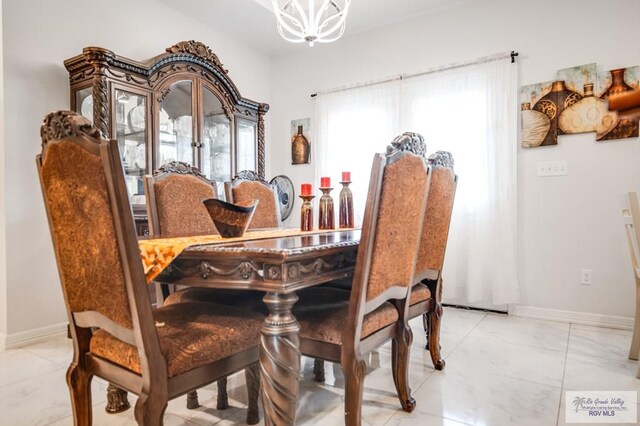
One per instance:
(247, 186)
(631, 218)
(391, 231)
(174, 201)
(437, 220)
(93, 234)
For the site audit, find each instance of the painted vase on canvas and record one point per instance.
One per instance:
(300, 148)
(624, 127)
(557, 100)
(535, 126)
(582, 116)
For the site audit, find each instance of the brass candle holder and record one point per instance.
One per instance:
(326, 219)
(346, 206)
(306, 213)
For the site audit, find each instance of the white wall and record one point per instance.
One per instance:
(3, 246)
(38, 36)
(566, 223)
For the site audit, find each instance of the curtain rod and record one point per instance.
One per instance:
(452, 66)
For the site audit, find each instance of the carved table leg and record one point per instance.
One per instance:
(117, 401)
(223, 399)
(192, 400)
(252, 376)
(280, 360)
(318, 370)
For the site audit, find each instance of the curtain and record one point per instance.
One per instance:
(470, 111)
(351, 127)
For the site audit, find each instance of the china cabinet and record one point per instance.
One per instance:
(180, 105)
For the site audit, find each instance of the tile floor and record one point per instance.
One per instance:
(500, 371)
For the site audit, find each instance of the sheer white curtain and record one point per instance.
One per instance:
(470, 111)
(351, 127)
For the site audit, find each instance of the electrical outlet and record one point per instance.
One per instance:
(585, 277)
(553, 168)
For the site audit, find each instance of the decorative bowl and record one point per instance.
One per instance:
(231, 220)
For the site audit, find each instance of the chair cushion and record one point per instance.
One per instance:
(419, 293)
(246, 299)
(322, 313)
(192, 335)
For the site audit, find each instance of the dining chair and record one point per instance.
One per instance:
(175, 209)
(174, 196)
(632, 227)
(158, 354)
(246, 187)
(341, 326)
(426, 295)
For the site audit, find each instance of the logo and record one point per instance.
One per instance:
(601, 407)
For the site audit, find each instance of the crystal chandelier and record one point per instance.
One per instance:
(311, 23)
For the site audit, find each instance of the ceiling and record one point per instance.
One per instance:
(253, 22)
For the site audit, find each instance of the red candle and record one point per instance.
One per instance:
(325, 182)
(346, 176)
(305, 189)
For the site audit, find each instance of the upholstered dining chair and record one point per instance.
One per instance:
(174, 201)
(247, 186)
(175, 209)
(426, 295)
(632, 227)
(341, 326)
(158, 354)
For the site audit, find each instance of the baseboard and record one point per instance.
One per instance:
(611, 321)
(34, 335)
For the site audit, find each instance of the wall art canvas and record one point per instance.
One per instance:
(539, 118)
(610, 125)
(578, 106)
(576, 102)
(301, 141)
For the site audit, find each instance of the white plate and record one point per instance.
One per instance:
(136, 118)
(86, 108)
(182, 126)
(166, 125)
(140, 160)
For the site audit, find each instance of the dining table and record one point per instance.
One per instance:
(278, 263)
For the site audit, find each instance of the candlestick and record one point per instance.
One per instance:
(346, 204)
(325, 182)
(306, 213)
(305, 189)
(326, 220)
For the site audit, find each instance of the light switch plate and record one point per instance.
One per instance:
(553, 168)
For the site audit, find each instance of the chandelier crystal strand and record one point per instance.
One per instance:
(312, 24)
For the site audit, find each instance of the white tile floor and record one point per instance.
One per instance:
(500, 371)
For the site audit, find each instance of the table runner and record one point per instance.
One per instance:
(158, 253)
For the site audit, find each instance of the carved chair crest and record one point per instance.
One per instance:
(250, 175)
(408, 141)
(441, 158)
(63, 124)
(179, 167)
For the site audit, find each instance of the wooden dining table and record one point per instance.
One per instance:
(279, 266)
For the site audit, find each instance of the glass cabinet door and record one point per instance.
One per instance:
(175, 124)
(131, 133)
(216, 141)
(246, 155)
